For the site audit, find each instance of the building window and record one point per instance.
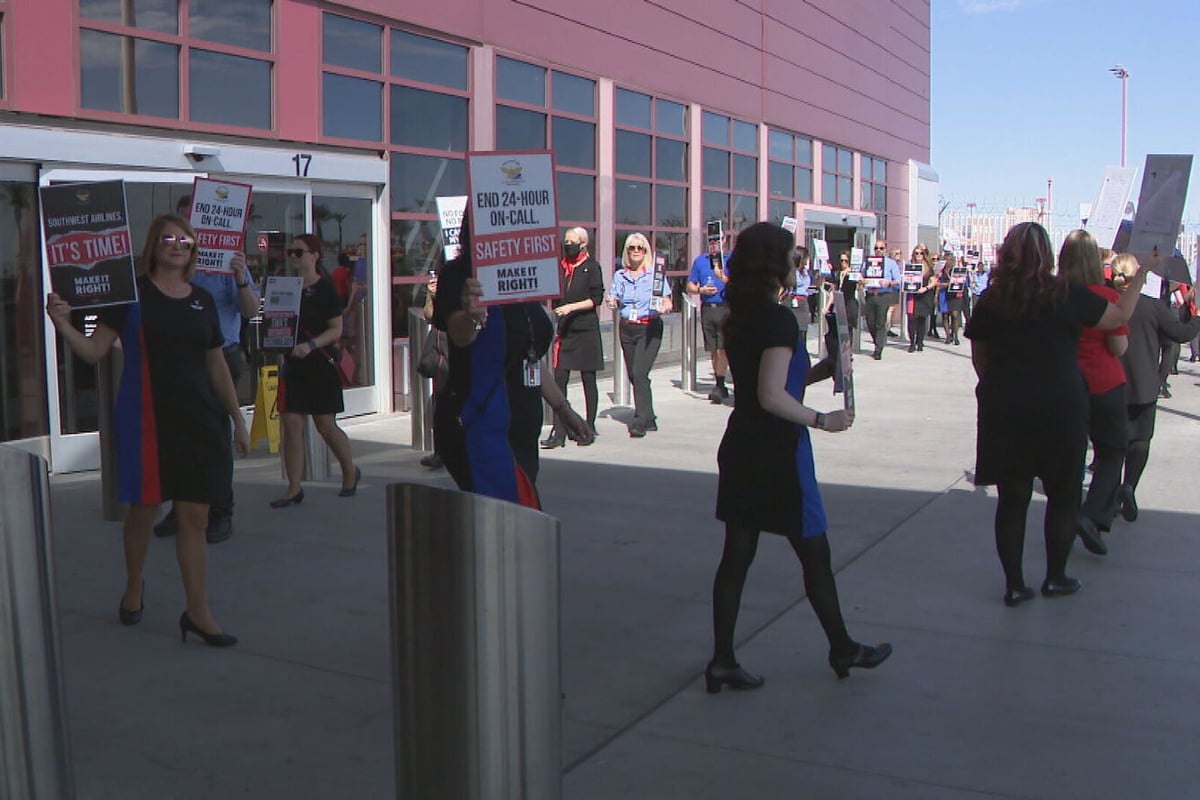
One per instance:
(837, 176)
(539, 108)
(874, 189)
(651, 176)
(134, 60)
(730, 172)
(789, 173)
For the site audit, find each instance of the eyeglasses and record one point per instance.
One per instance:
(297, 252)
(183, 241)
(636, 248)
(880, 249)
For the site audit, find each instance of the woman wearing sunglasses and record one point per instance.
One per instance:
(641, 327)
(173, 411)
(309, 383)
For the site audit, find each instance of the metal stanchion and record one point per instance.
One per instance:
(34, 754)
(687, 361)
(622, 390)
(475, 618)
(421, 387)
(108, 371)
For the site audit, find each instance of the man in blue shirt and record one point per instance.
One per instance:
(882, 293)
(707, 279)
(236, 298)
(978, 283)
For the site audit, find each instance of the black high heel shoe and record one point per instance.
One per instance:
(294, 500)
(353, 489)
(734, 677)
(128, 617)
(186, 626)
(863, 656)
(555, 439)
(1014, 597)
(1060, 587)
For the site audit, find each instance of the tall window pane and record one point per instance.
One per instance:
(428, 119)
(152, 15)
(804, 178)
(670, 206)
(353, 44)
(633, 153)
(425, 60)
(574, 143)
(670, 118)
(352, 108)
(716, 129)
(633, 203)
(716, 167)
(670, 160)
(745, 173)
(715, 205)
(745, 136)
(780, 179)
(229, 90)
(633, 109)
(829, 189)
(573, 94)
(518, 129)
(418, 180)
(576, 196)
(240, 23)
(780, 145)
(154, 87)
(516, 80)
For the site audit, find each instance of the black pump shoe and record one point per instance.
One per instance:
(186, 626)
(862, 657)
(128, 617)
(1128, 503)
(1060, 587)
(734, 677)
(1014, 597)
(284, 502)
(353, 489)
(555, 439)
(1089, 534)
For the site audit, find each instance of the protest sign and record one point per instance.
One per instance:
(450, 214)
(88, 247)
(281, 312)
(912, 277)
(1104, 217)
(1160, 205)
(958, 278)
(789, 224)
(856, 264)
(843, 371)
(219, 213)
(873, 271)
(514, 225)
(821, 251)
(1153, 285)
(713, 238)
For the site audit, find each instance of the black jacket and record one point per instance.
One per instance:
(1151, 319)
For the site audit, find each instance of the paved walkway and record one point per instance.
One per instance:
(1093, 696)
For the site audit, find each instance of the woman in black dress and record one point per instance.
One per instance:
(841, 282)
(1032, 419)
(920, 304)
(174, 406)
(577, 345)
(309, 384)
(956, 291)
(767, 478)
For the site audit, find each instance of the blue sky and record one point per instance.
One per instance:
(1021, 92)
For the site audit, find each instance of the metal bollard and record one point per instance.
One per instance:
(622, 389)
(474, 586)
(108, 375)
(34, 753)
(419, 406)
(689, 345)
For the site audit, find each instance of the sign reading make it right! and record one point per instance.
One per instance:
(88, 246)
(514, 225)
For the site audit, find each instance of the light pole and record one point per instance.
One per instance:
(970, 223)
(1120, 72)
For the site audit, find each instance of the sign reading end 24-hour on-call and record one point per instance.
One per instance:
(514, 225)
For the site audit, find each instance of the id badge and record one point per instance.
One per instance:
(656, 304)
(632, 313)
(533, 373)
(795, 301)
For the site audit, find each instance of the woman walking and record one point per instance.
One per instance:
(309, 384)
(920, 302)
(767, 480)
(172, 414)
(1032, 417)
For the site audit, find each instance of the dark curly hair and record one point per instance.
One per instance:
(759, 267)
(1023, 281)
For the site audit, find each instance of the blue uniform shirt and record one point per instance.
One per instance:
(634, 294)
(702, 274)
(223, 288)
(979, 282)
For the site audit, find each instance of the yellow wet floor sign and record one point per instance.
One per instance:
(265, 424)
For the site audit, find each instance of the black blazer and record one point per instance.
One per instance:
(1151, 320)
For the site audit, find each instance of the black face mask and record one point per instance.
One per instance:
(572, 251)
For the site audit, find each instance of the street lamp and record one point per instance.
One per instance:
(1120, 72)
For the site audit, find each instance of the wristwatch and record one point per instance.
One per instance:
(241, 285)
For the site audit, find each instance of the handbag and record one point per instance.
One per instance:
(340, 359)
(432, 361)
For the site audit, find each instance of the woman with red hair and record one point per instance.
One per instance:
(1032, 417)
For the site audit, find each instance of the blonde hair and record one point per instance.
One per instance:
(1125, 266)
(146, 264)
(1079, 259)
(636, 238)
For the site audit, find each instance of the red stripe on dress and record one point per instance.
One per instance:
(151, 490)
(526, 494)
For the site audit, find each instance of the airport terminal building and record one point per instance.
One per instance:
(350, 118)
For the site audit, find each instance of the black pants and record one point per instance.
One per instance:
(222, 505)
(1141, 431)
(917, 327)
(639, 346)
(878, 305)
(591, 395)
(1109, 431)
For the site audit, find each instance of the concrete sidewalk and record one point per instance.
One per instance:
(1083, 697)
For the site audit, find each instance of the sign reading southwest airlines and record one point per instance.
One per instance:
(88, 246)
(514, 225)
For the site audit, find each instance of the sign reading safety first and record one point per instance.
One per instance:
(514, 225)
(219, 215)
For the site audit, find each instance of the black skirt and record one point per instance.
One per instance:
(310, 386)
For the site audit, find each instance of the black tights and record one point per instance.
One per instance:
(1062, 506)
(916, 330)
(591, 397)
(740, 546)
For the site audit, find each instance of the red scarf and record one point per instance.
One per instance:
(569, 268)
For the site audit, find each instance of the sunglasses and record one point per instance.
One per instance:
(880, 249)
(183, 241)
(297, 252)
(636, 248)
